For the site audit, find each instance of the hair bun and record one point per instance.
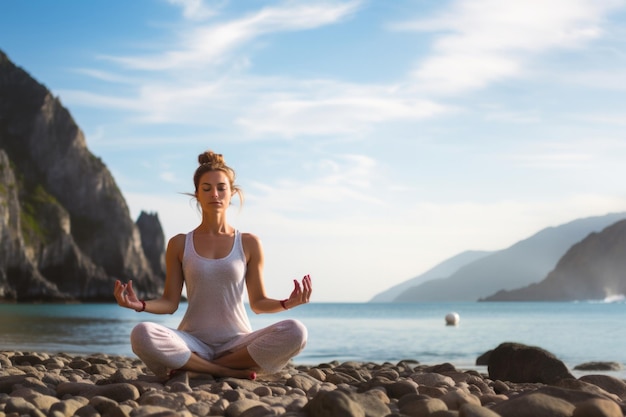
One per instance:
(211, 158)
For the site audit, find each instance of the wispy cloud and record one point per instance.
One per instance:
(107, 76)
(91, 99)
(477, 43)
(344, 179)
(483, 41)
(267, 106)
(213, 44)
(326, 108)
(182, 86)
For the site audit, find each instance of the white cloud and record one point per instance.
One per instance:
(333, 108)
(483, 41)
(233, 99)
(330, 185)
(106, 76)
(479, 42)
(273, 106)
(202, 45)
(90, 99)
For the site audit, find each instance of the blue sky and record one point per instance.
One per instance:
(372, 139)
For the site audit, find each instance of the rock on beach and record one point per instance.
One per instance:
(62, 385)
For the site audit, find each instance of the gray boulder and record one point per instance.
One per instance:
(516, 362)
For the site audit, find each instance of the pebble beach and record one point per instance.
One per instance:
(63, 385)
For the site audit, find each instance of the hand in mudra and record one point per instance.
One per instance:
(125, 295)
(301, 293)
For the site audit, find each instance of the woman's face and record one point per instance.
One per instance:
(214, 192)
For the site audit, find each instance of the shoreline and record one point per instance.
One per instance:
(619, 373)
(359, 332)
(63, 384)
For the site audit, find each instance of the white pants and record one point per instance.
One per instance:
(163, 349)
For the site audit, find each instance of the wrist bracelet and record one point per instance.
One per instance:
(143, 306)
(284, 304)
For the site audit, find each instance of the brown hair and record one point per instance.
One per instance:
(211, 161)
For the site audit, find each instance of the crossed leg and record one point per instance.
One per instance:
(163, 349)
(236, 364)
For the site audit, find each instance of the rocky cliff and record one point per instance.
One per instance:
(593, 269)
(65, 228)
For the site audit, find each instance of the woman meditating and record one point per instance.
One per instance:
(217, 263)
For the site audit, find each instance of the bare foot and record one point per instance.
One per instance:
(217, 371)
(201, 365)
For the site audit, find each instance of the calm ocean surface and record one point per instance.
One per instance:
(574, 332)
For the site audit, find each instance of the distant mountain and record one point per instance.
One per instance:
(524, 263)
(65, 228)
(593, 269)
(441, 270)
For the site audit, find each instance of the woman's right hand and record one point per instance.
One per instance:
(125, 295)
(301, 293)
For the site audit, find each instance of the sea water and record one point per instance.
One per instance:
(575, 332)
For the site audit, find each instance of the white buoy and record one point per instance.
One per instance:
(452, 319)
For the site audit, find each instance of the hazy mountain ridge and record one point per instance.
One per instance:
(441, 270)
(65, 228)
(526, 262)
(593, 269)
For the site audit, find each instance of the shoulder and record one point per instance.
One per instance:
(250, 240)
(177, 242)
(251, 244)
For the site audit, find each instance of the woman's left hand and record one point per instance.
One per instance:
(301, 293)
(126, 296)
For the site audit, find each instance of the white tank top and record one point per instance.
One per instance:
(215, 291)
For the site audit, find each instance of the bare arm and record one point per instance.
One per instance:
(259, 302)
(174, 280)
